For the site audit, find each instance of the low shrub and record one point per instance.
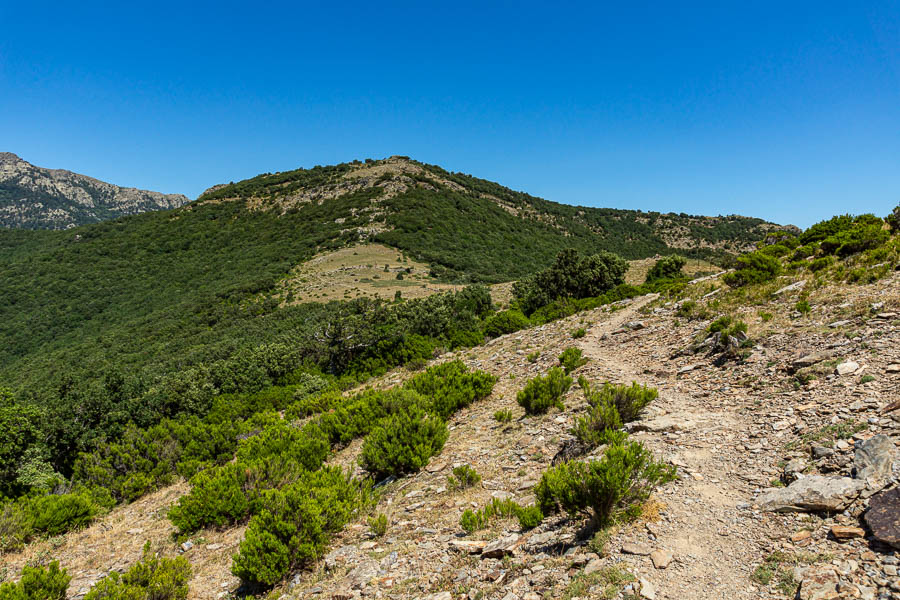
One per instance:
(866, 233)
(821, 263)
(296, 523)
(529, 517)
(152, 578)
(727, 326)
(579, 333)
(607, 490)
(463, 477)
(503, 416)
(532, 357)
(378, 525)
(404, 443)
(540, 393)
(507, 321)
(449, 387)
(893, 220)
(571, 359)
(15, 526)
(37, 583)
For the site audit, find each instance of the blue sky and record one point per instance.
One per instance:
(786, 111)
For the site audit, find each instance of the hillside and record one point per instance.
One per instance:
(809, 393)
(203, 282)
(37, 198)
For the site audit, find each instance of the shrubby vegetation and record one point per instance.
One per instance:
(37, 583)
(571, 276)
(404, 443)
(571, 359)
(610, 407)
(529, 516)
(152, 578)
(463, 477)
(668, 267)
(541, 393)
(755, 267)
(607, 490)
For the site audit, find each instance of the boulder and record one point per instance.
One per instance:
(820, 584)
(847, 368)
(883, 517)
(811, 359)
(813, 493)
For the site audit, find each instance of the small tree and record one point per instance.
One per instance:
(668, 267)
(540, 393)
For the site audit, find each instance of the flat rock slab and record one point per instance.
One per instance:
(811, 359)
(814, 493)
(821, 584)
(469, 546)
(873, 460)
(636, 549)
(883, 516)
(661, 424)
(500, 547)
(845, 532)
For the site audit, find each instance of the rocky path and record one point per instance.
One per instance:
(705, 513)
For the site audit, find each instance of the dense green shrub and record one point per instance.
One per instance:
(307, 446)
(507, 321)
(571, 359)
(893, 220)
(607, 490)
(449, 387)
(403, 443)
(821, 263)
(571, 276)
(296, 523)
(827, 228)
(55, 514)
(610, 407)
(540, 393)
(863, 235)
(579, 333)
(463, 477)
(668, 267)
(754, 267)
(152, 578)
(15, 526)
(37, 583)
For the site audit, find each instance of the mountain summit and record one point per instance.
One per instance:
(37, 198)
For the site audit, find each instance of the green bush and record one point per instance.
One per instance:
(540, 393)
(55, 514)
(727, 326)
(864, 235)
(579, 333)
(571, 359)
(507, 321)
(503, 416)
(404, 443)
(824, 229)
(218, 498)
(607, 490)
(529, 516)
(571, 276)
(307, 446)
(295, 525)
(463, 477)
(893, 220)
(449, 387)
(378, 525)
(37, 583)
(821, 263)
(152, 578)
(610, 407)
(668, 267)
(533, 356)
(754, 267)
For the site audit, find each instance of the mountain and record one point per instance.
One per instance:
(158, 292)
(37, 198)
(479, 230)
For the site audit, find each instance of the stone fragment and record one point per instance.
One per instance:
(593, 566)
(187, 546)
(894, 368)
(798, 285)
(801, 536)
(648, 590)
(847, 368)
(500, 547)
(819, 584)
(660, 424)
(813, 493)
(661, 558)
(883, 516)
(468, 546)
(846, 532)
(811, 359)
(873, 460)
(440, 596)
(636, 549)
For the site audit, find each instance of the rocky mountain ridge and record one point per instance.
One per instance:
(34, 197)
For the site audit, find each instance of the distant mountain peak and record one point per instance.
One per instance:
(34, 197)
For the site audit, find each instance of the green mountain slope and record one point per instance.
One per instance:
(158, 292)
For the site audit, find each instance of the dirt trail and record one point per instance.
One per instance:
(699, 526)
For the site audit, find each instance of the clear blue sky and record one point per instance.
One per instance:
(784, 110)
